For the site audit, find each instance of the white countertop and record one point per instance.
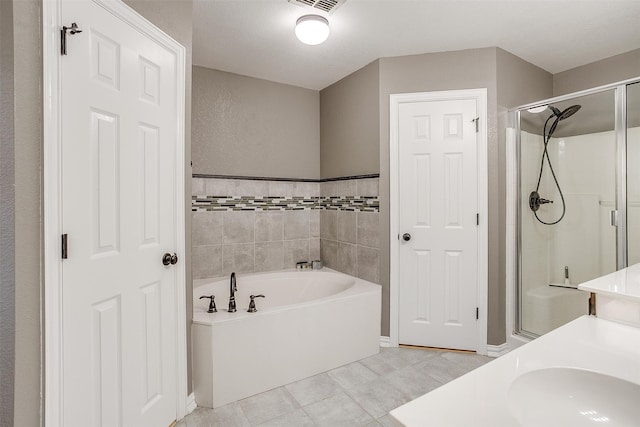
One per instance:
(623, 283)
(480, 398)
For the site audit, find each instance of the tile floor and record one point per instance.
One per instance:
(359, 394)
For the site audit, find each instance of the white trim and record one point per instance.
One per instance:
(191, 403)
(52, 22)
(497, 350)
(53, 372)
(394, 200)
(480, 95)
(384, 342)
(514, 341)
(511, 245)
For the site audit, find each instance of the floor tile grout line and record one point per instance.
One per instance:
(243, 413)
(412, 362)
(346, 392)
(277, 416)
(307, 414)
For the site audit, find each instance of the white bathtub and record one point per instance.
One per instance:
(310, 322)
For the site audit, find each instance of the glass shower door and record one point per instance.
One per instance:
(568, 190)
(633, 173)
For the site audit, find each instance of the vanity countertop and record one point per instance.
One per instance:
(481, 397)
(623, 284)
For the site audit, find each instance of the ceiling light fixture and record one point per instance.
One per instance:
(312, 29)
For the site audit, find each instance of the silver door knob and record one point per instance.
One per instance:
(406, 237)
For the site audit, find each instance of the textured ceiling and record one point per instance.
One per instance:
(256, 37)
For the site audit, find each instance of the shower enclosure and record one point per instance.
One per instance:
(577, 214)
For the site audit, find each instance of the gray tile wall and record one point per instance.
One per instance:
(247, 241)
(251, 226)
(350, 239)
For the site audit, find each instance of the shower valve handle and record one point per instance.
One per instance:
(544, 201)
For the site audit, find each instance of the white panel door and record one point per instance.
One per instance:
(119, 128)
(438, 203)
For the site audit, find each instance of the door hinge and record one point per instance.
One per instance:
(477, 219)
(476, 120)
(64, 246)
(73, 29)
(477, 313)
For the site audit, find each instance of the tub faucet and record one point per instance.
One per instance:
(212, 303)
(232, 297)
(252, 303)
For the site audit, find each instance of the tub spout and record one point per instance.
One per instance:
(232, 297)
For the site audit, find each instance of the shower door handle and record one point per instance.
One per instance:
(614, 218)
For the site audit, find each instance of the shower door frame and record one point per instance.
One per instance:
(516, 335)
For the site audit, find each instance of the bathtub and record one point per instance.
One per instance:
(547, 307)
(311, 321)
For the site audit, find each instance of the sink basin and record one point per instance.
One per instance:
(573, 397)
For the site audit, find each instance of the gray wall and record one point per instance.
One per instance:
(349, 125)
(510, 81)
(28, 210)
(609, 70)
(175, 17)
(519, 82)
(250, 127)
(7, 206)
(466, 69)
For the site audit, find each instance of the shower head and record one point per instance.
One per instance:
(566, 113)
(569, 111)
(561, 115)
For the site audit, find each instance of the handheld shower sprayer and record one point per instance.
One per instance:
(535, 200)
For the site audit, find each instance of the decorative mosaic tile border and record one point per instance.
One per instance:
(263, 178)
(224, 204)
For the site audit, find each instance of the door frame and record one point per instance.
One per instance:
(52, 192)
(395, 100)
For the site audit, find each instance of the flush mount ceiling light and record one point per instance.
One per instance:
(312, 29)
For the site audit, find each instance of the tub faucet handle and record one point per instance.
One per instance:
(212, 303)
(252, 303)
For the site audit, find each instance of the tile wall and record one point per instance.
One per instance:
(251, 226)
(350, 234)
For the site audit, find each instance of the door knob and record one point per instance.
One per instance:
(406, 237)
(166, 259)
(169, 259)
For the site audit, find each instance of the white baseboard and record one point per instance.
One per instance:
(497, 350)
(191, 403)
(385, 342)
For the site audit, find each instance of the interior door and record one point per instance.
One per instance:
(438, 241)
(119, 139)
